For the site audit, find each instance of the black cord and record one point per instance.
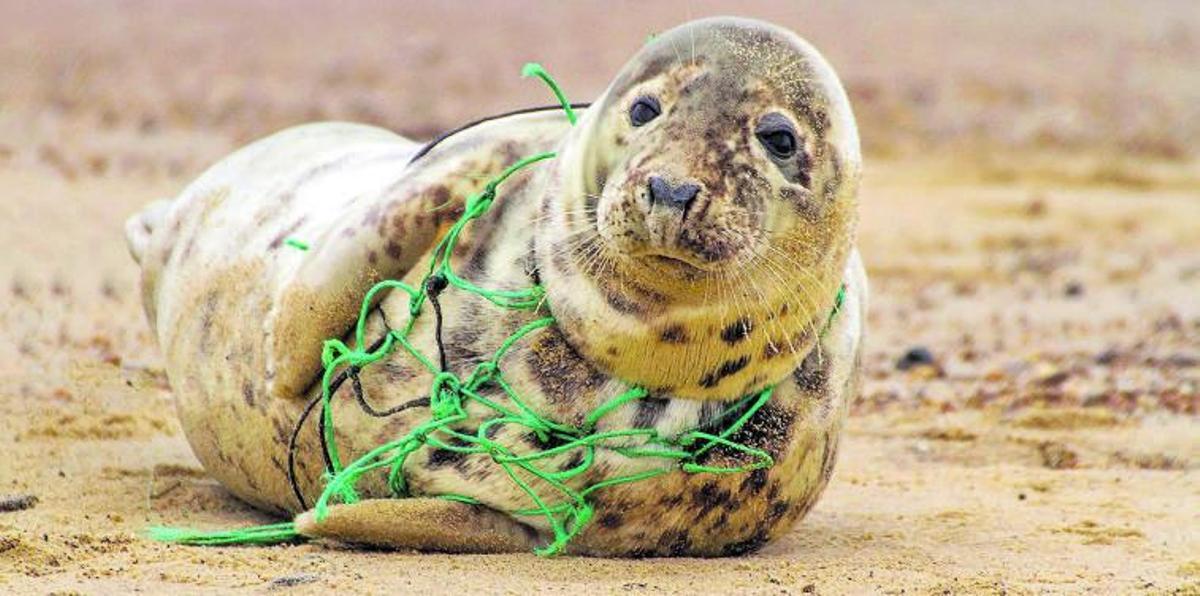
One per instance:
(442, 137)
(433, 287)
(334, 385)
(360, 396)
(292, 446)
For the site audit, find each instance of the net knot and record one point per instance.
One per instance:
(333, 349)
(478, 204)
(435, 284)
(485, 371)
(445, 397)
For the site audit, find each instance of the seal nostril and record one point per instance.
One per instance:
(678, 197)
(660, 190)
(684, 193)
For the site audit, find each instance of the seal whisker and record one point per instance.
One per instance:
(678, 55)
(777, 322)
(550, 217)
(789, 264)
(779, 272)
(582, 258)
(813, 303)
(798, 266)
(594, 251)
(573, 247)
(556, 215)
(739, 299)
(748, 307)
(581, 235)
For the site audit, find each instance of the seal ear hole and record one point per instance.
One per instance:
(643, 110)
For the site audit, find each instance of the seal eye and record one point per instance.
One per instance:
(777, 135)
(643, 110)
(780, 143)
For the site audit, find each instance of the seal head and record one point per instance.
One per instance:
(704, 205)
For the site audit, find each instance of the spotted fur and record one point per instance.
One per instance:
(240, 315)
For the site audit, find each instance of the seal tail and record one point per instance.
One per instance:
(141, 226)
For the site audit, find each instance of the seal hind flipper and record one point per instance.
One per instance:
(141, 226)
(424, 524)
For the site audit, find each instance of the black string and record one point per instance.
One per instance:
(361, 397)
(334, 385)
(433, 287)
(442, 137)
(291, 456)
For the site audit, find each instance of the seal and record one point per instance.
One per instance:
(691, 237)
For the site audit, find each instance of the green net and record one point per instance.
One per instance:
(296, 244)
(566, 509)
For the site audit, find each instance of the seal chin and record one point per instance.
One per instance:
(677, 264)
(669, 259)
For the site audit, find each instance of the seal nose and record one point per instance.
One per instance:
(676, 197)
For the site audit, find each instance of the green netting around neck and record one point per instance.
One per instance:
(564, 506)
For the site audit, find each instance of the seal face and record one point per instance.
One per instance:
(709, 200)
(691, 235)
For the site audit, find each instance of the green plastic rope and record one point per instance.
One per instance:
(533, 69)
(264, 535)
(570, 511)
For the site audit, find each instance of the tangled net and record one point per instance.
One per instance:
(567, 511)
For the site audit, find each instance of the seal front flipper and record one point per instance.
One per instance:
(425, 524)
(268, 254)
(238, 216)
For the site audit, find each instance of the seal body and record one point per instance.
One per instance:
(692, 244)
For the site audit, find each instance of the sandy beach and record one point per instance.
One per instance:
(1030, 225)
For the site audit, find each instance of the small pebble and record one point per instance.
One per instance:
(1182, 361)
(294, 579)
(1057, 456)
(1108, 357)
(1050, 375)
(914, 357)
(17, 502)
(1073, 289)
(1036, 207)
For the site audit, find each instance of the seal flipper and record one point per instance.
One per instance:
(141, 225)
(325, 186)
(270, 252)
(421, 523)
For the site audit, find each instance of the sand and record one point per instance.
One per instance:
(1031, 219)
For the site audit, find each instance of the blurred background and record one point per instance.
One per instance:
(1116, 76)
(1030, 222)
